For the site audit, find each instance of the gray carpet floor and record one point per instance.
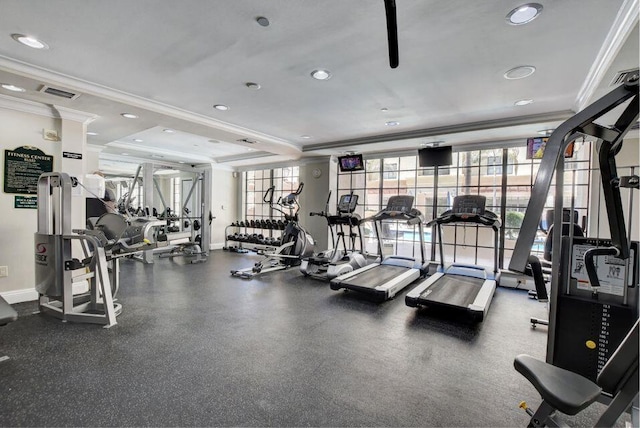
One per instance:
(197, 347)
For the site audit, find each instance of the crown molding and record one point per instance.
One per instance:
(45, 75)
(620, 30)
(26, 106)
(75, 115)
(445, 130)
(46, 110)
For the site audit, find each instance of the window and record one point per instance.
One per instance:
(494, 166)
(285, 180)
(477, 172)
(177, 198)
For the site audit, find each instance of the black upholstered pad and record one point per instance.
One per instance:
(564, 390)
(7, 313)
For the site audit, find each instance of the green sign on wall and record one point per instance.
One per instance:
(30, 202)
(22, 168)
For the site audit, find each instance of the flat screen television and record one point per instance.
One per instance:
(351, 163)
(435, 156)
(535, 148)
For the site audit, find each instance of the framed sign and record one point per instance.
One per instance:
(29, 202)
(22, 168)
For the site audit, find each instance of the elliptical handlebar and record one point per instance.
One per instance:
(289, 202)
(268, 196)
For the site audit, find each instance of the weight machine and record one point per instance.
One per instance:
(56, 268)
(592, 348)
(187, 231)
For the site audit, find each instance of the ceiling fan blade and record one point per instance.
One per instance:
(392, 32)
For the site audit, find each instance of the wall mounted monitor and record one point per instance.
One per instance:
(351, 163)
(535, 148)
(435, 156)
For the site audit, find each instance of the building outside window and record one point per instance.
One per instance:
(478, 172)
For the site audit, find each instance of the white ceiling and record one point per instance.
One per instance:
(170, 62)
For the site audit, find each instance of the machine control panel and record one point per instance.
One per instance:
(469, 204)
(400, 203)
(347, 203)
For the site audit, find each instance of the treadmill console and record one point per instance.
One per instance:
(469, 204)
(347, 204)
(400, 203)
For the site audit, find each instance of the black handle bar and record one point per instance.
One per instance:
(590, 265)
(268, 195)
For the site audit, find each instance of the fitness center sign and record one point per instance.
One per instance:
(22, 168)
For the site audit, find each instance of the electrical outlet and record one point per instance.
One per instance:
(4, 271)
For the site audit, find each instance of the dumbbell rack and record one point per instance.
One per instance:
(249, 241)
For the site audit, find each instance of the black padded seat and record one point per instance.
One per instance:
(564, 390)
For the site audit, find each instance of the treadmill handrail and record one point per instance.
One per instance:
(486, 220)
(412, 217)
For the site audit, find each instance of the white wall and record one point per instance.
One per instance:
(22, 124)
(314, 199)
(628, 156)
(225, 191)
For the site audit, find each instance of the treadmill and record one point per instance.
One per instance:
(461, 287)
(385, 279)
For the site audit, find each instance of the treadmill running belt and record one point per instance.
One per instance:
(374, 277)
(453, 290)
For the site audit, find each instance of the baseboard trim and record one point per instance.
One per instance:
(30, 294)
(19, 296)
(218, 246)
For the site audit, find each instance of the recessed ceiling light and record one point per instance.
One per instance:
(520, 72)
(92, 134)
(221, 107)
(253, 85)
(124, 154)
(30, 41)
(262, 21)
(180, 161)
(392, 123)
(383, 109)
(321, 74)
(306, 137)
(137, 140)
(249, 149)
(524, 14)
(129, 115)
(523, 102)
(13, 88)
(546, 131)
(168, 131)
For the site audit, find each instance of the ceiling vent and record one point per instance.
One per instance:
(59, 92)
(621, 76)
(246, 140)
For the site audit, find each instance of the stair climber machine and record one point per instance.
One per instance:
(384, 279)
(460, 287)
(340, 259)
(296, 243)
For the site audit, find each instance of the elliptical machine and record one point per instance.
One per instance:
(295, 245)
(340, 259)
